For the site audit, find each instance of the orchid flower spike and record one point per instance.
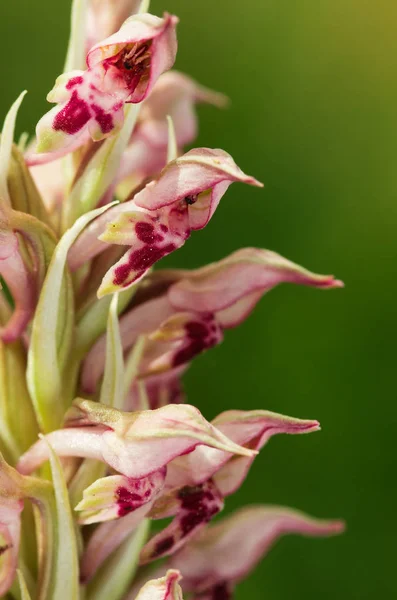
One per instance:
(87, 209)
(123, 68)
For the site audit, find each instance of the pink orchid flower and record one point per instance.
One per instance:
(223, 554)
(123, 68)
(134, 444)
(196, 306)
(161, 217)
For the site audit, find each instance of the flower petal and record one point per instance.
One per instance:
(197, 506)
(117, 496)
(196, 171)
(251, 429)
(155, 35)
(229, 550)
(166, 588)
(174, 94)
(134, 444)
(10, 531)
(213, 288)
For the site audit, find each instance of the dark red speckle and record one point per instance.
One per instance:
(163, 228)
(197, 341)
(139, 261)
(145, 232)
(73, 82)
(73, 116)
(104, 120)
(199, 506)
(221, 592)
(5, 548)
(127, 501)
(163, 546)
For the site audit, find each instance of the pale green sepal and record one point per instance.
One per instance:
(172, 150)
(7, 138)
(65, 568)
(92, 322)
(18, 428)
(101, 170)
(52, 332)
(23, 587)
(114, 578)
(133, 361)
(23, 193)
(112, 390)
(75, 57)
(144, 7)
(89, 471)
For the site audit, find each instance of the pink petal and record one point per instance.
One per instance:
(21, 282)
(116, 496)
(178, 340)
(174, 94)
(196, 171)
(134, 444)
(10, 530)
(140, 29)
(197, 506)
(135, 500)
(139, 320)
(166, 588)
(228, 551)
(247, 428)
(152, 235)
(213, 288)
(104, 17)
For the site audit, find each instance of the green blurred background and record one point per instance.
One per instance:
(314, 116)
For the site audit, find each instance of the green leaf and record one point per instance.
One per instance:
(65, 567)
(112, 390)
(23, 587)
(52, 330)
(7, 137)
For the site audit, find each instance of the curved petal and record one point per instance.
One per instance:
(251, 429)
(21, 282)
(134, 444)
(229, 550)
(213, 288)
(187, 176)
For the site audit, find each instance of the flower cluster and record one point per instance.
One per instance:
(96, 436)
